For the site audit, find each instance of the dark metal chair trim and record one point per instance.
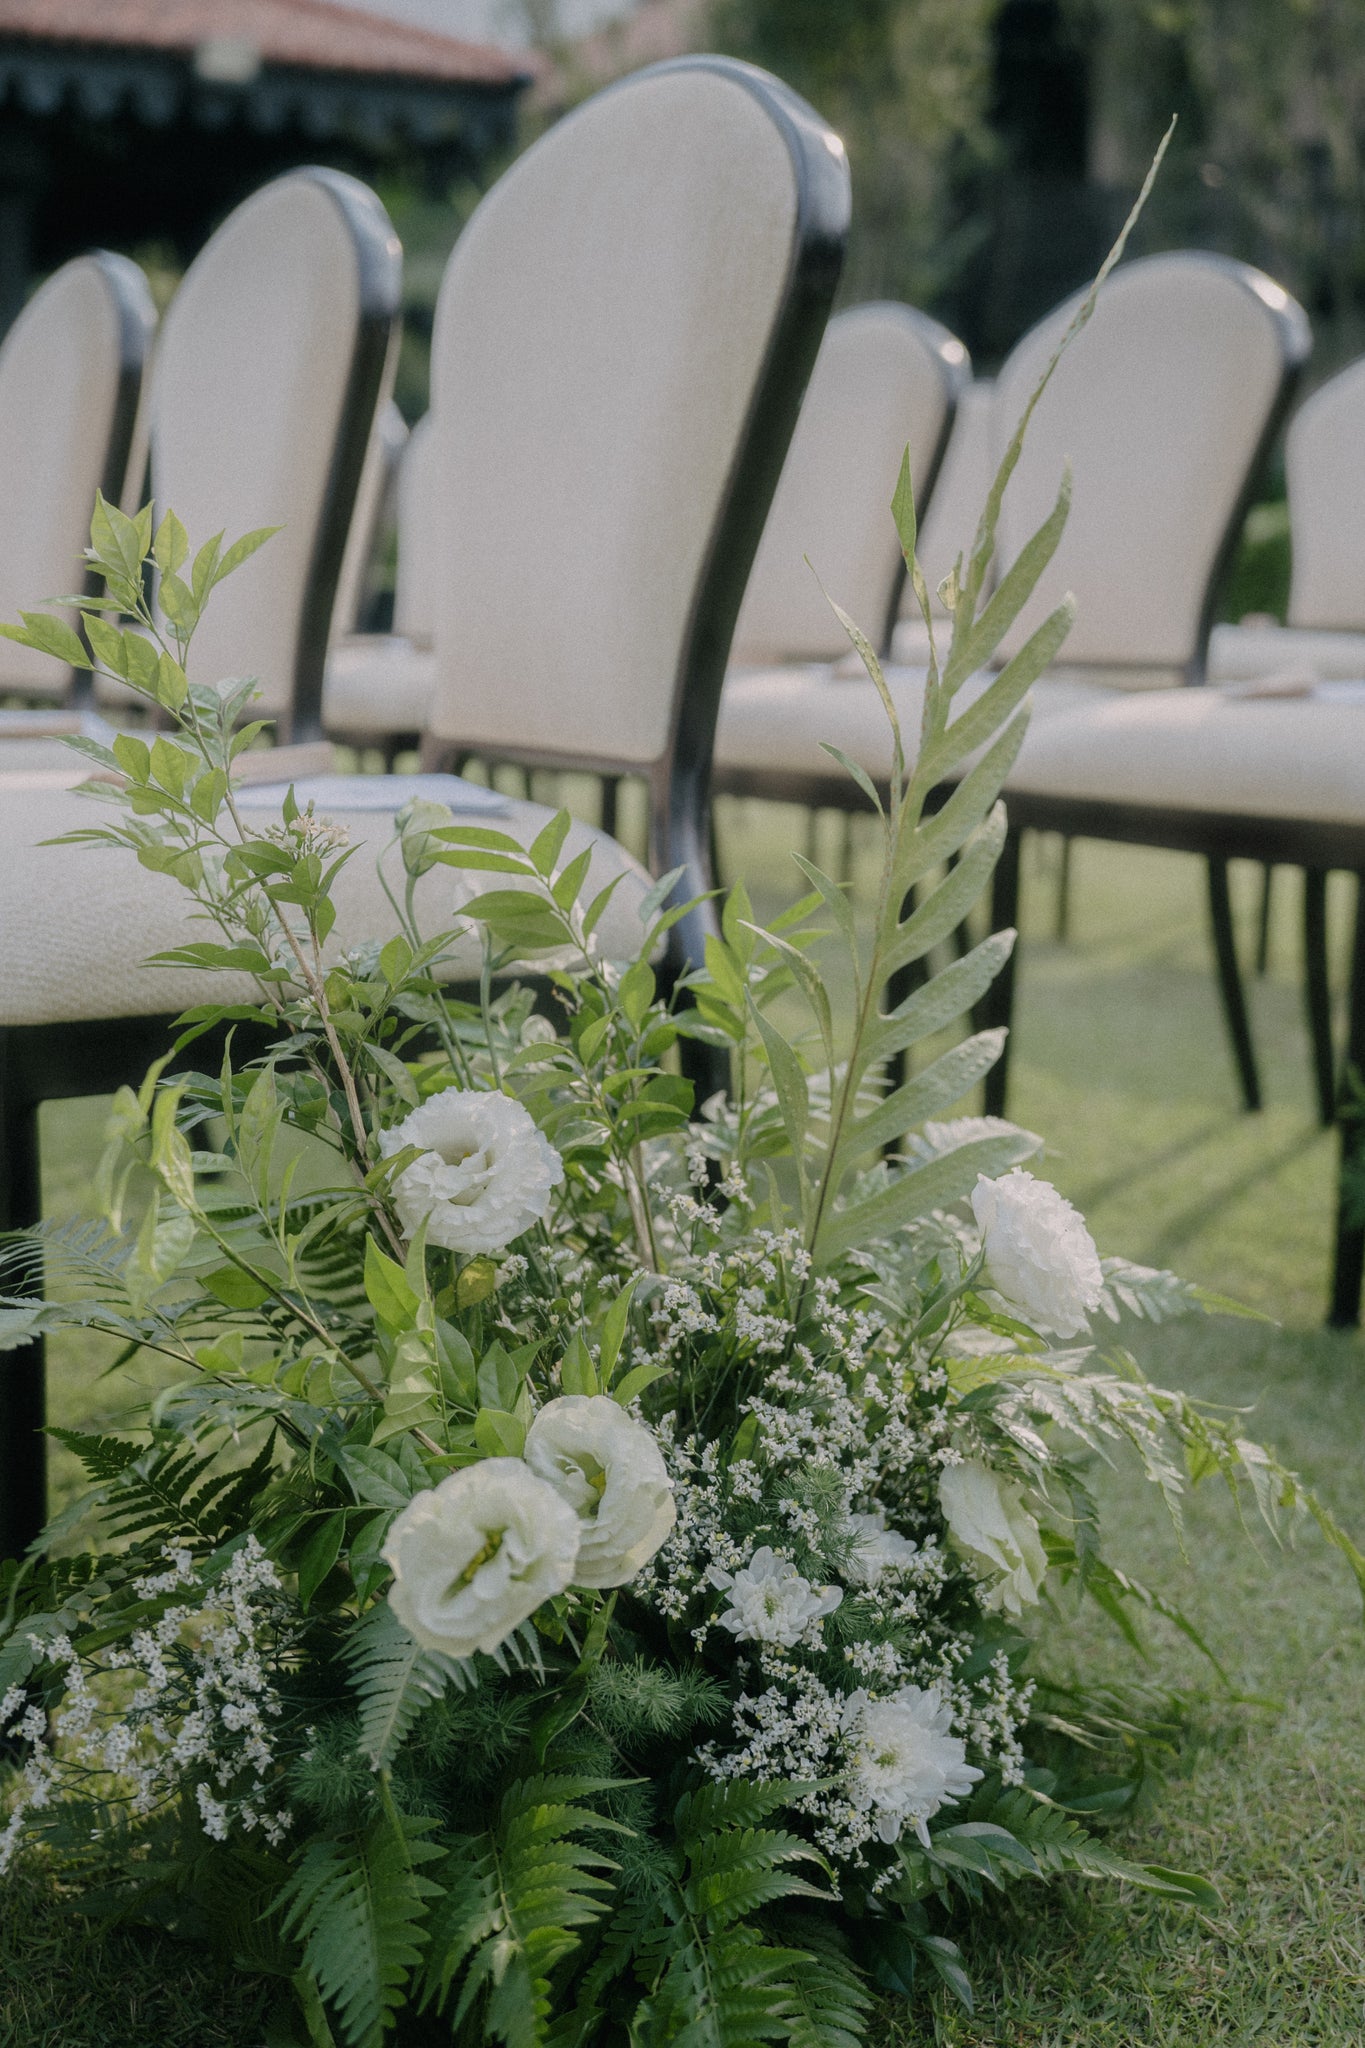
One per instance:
(379, 257)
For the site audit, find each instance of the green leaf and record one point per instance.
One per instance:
(499, 1434)
(319, 1555)
(387, 1290)
(376, 1477)
(923, 1189)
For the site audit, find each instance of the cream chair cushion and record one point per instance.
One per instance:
(1253, 653)
(599, 339)
(1202, 750)
(247, 390)
(77, 921)
(774, 720)
(1160, 405)
(884, 377)
(948, 526)
(59, 388)
(378, 685)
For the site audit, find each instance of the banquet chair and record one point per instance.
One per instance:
(887, 377)
(1324, 638)
(71, 373)
(270, 368)
(636, 305)
(1165, 406)
(1323, 641)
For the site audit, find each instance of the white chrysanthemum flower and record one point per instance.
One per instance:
(770, 1602)
(1039, 1254)
(474, 1556)
(990, 1526)
(878, 1548)
(906, 1763)
(609, 1469)
(486, 1172)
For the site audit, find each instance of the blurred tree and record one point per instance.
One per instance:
(908, 84)
(1269, 158)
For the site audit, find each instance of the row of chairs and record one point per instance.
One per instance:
(624, 334)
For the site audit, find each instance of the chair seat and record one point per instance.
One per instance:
(378, 683)
(1203, 751)
(76, 922)
(772, 721)
(1244, 654)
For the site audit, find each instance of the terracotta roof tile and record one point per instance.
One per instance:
(314, 34)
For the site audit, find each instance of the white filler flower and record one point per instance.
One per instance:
(485, 1174)
(609, 1469)
(990, 1526)
(770, 1602)
(905, 1762)
(1039, 1254)
(878, 1548)
(472, 1558)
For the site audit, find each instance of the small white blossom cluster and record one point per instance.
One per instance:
(828, 1556)
(200, 1714)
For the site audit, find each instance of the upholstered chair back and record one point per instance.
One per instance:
(623, 334)
(70, 376)
(1164, 405)
(1324, 459)
(415, 582)
(886, 377)
(267, 379)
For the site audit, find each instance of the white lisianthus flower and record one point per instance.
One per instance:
(1039, 1254)
(770, 1602)
(906, 1763)
(609, 1469)
(993, 1530)
(485, 1174)
(474, 1556)
(878, 1548)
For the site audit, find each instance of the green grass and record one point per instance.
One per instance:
(1120, 1060)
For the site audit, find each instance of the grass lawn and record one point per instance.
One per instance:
(1120, 1060)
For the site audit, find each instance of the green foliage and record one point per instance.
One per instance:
(514, 1901)
(357, 1904)
(394, 1679)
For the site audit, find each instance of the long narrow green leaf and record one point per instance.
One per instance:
(944, 1082)
(946, 998)
(925, 1188)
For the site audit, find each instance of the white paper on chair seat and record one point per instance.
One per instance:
(373, 793)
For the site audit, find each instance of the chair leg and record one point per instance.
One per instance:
(997, 1005)
(1317, 993)
(1230, 982)
(611, 789)
(1063, 927)
(1349, 1267)
(1263, 921)
(23, 1404)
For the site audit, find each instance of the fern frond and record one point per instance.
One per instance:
(826, 1994)
(514, 1900)
(394, 1678)
(1058, 1844)
(358, 1905)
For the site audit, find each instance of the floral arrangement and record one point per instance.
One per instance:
(590, 1576)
